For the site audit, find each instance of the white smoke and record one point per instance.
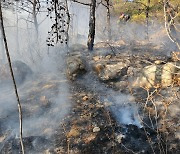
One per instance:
(45, 95)
(48, 67)
(126, 110)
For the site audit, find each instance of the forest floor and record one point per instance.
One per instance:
(107, 114)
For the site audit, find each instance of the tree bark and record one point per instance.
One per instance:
(35, 17)
(68, 24)
(92, 25)
(17, 29)
(108, 20)
(12, 75)
(147, 18)
(2, 48)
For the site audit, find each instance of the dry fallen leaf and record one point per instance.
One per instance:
(96, 58)
(96, 129)
(43, 98)
(2, 138)
(73, 132)
(85, 98)
(89, 138)
(48, 86)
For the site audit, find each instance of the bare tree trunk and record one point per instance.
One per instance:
(35, 17)
(147, 18)
(108, 20)
(12, 75)
(2, 48)
(68, 24)
(34, 13)
(92, 25)
(17, 29)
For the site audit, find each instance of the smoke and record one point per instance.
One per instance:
(123, 106)
(79, 23)
(48, 88)
(126, 110)
(45, 95)
(44, 98)
(130, 32)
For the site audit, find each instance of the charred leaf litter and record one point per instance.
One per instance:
(102, 117)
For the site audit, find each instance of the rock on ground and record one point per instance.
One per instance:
(21, 72)
(75, 66)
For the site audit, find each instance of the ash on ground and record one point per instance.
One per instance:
(109, 111)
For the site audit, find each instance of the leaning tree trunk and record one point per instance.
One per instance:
(92, 25)
(13, 78)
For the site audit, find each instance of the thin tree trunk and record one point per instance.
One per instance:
(108, 20)
(35, 17)
(147, 18)
(17, 29)
(12, 75)
(34, 13)
(92, 25)
(2, 48)
(68, 24)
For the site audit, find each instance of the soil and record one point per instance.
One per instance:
(92, 125)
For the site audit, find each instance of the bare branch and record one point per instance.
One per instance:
(88, 4)
(170, 23)
(107, 6)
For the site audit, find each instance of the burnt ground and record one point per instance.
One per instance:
(91, 126)
(89, 114)
(112, 137)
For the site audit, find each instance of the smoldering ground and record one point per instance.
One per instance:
(122, 106)
(45, 96)
(45, 102)
(36, 55)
